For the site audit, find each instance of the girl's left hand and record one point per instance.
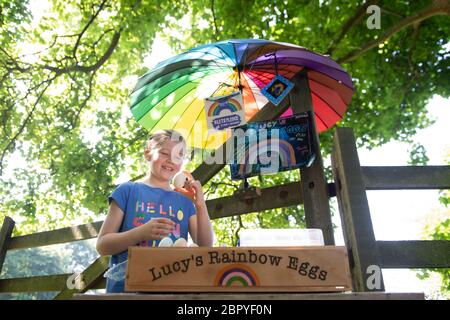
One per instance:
(199, 197)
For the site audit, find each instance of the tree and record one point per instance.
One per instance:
(63, 105)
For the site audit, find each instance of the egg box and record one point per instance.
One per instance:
(238, 269)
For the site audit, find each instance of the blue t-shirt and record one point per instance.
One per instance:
(140, 203)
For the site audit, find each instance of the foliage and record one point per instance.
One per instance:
(439, 231)
(418, 155)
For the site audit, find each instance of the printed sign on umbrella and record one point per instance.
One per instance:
(225, 111)
(172, 94)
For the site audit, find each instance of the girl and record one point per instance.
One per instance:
(144, 212)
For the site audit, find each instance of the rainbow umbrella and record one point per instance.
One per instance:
(171, 95)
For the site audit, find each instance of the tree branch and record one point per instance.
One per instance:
(95, 66)
(22, 127)
(438, 7)
(355, 19)
(392, 13)
(216, 31)
(91, 20)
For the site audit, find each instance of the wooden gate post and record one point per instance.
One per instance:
(5, 237)
(313, 181)
(365, 265)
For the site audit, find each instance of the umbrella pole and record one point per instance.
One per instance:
(245, 184)
(313, 182)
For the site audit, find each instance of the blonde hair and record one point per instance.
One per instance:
(161, 136)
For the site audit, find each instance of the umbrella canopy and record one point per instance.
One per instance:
(171, 95)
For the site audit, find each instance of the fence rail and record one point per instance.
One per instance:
(414, 254)
(406, 177)
(64, 235)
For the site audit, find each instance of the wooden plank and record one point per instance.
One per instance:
(406, 177)
(313, 182)
(70, 234)
(415, 254)
(34, 284)
(254, 296)
(100, 283)
(243, 269)
(56, 282)
(89, 277)
(5, 238)
(354, 210)
(213, 164)
(271, 198)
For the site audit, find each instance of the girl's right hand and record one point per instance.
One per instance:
(156, 229)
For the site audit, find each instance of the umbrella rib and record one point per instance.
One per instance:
(185, 110)
(340, 98)
(319, 118)
(181, 56)
(186, 95)
(250, 81)
(204, 72)
(168, 109)
(196, 81)
(226, 54)
(257, 50)
(251, 91)
(214, 45)
(332, 89)
(184, 65)
(260, 76)
(188, 105)
(339, 68)
(329, 106)
(196, 119)
(283, 67)
(326, 126)
(218, 58)
(219, 87)
(267, 63)
(244, 54)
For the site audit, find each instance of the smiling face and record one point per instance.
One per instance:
(165, 159)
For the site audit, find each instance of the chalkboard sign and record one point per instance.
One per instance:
(272, 146)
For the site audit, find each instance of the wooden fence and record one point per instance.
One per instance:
(351, 183)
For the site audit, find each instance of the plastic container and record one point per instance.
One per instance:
(280, 237)
(117, 272)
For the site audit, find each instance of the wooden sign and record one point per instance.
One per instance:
(242, 269)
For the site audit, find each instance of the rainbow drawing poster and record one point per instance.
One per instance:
(272, 146)
(277, 89)
(225, 111)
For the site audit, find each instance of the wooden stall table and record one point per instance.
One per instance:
(254, 296)
(241, 273)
